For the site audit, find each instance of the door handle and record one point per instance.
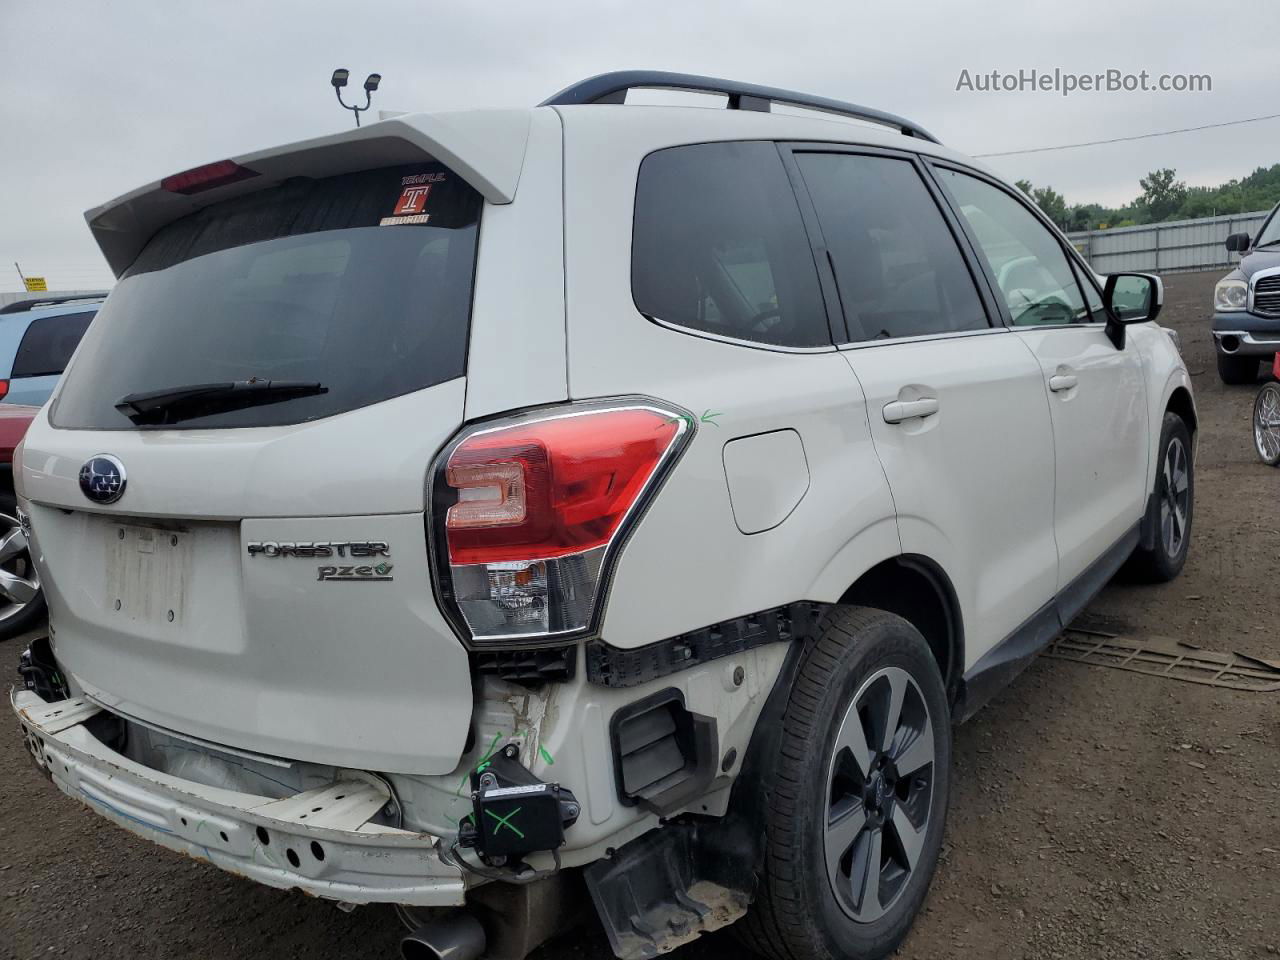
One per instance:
(901, 410)
(1063, 381)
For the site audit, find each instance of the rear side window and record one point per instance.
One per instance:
(47, 345)
(719, 246)
(897, 265)
(360, 283)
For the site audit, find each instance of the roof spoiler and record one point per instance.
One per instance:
(485, 148)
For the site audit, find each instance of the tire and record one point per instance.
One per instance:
(1166, 557)
(16, 619)
(1237, 370)
(862, 656)
(1266, 424)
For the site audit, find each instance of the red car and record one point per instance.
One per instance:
(21, 599)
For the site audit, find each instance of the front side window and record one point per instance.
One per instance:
(1029, 265)
(719, 246)
(897, 265)
(48, 344)
(1091, 296)
(354, 288)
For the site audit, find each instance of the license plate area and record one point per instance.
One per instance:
(148, 571)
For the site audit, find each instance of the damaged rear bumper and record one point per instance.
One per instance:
(320, 841)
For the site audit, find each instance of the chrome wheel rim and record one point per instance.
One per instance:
(19, 581)
(1175, 497)
(1266, 423)
(879, 794)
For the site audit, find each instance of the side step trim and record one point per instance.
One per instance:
(1000, 665)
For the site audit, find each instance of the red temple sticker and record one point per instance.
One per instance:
(413, 200)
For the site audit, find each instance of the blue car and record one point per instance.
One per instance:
(37, 339)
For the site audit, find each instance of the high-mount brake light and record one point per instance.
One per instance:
(528, 512)
(211, 175)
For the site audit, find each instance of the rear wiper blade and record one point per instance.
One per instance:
(174, 404)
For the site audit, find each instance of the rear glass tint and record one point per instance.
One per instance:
(719, 246)
(48, 344)
(360, 282)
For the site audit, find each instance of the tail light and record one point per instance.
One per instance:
(529, 514)
(4, 389)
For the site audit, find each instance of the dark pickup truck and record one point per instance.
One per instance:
(1246, 304)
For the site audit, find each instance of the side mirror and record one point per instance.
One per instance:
(1131, 298)
(1238, 243)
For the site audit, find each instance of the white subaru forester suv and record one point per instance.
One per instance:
(471, 509)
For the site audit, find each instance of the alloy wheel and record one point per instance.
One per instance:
(879, 794)
(1266, 423)
(1175, 497)
(19, 581)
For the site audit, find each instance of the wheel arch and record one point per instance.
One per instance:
(1181, 403)
(917, 589)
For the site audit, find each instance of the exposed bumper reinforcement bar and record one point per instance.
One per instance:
(319, 841)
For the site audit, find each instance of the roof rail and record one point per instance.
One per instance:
(613, 87)
(22, 306)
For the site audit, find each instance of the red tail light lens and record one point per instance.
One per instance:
(531, 508)
(4, 389)
(211, 175)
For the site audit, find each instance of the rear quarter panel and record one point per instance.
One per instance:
(688, 564)
(516, 355)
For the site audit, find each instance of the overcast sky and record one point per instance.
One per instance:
(100, 96)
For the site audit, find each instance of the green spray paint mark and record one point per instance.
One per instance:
(707, 417)
(484, 761)
(506, 822)
(545, 755)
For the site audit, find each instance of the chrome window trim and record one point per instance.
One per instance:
(736, 341)
(924, 338)
(954, 334)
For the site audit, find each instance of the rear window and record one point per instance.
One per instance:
(361, 283)
(897, 266)
(719, 246)
(48, 344)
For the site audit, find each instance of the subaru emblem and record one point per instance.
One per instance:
(102, 479)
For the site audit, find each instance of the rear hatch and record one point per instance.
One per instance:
(227, 492)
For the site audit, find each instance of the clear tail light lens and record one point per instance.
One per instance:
(528, 514)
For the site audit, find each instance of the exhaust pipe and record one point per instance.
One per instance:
(455, 935)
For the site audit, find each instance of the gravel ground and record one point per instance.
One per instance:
(1095, 812)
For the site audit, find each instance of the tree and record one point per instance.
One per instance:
(1047, 199)
(1086, 216)
(1162, 195)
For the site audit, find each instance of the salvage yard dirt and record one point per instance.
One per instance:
(1096, 813)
